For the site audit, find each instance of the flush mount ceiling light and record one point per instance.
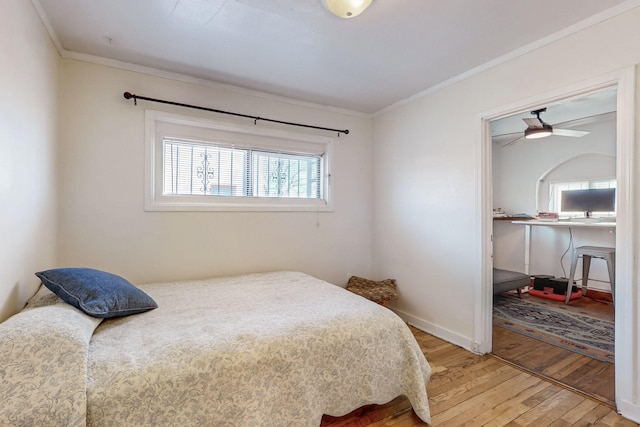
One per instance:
(346, 8)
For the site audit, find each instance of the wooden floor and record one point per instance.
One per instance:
(583, 373)
(471, 390)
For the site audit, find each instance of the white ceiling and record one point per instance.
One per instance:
(297, 49)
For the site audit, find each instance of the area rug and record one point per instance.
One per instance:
(561, 325)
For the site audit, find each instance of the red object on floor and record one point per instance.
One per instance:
(548, 294)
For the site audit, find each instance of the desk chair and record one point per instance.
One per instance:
(588, 252)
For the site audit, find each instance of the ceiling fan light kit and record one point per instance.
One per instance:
(346, 8)
(541, 132)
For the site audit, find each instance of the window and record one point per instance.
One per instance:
(197, 164)
(208, 169)
(556, 189)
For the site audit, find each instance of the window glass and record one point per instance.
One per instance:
(285, 175)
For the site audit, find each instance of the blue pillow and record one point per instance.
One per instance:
(97, 293)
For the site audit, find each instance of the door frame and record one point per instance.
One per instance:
(627, 359)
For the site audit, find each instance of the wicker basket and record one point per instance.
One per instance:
(381, 291)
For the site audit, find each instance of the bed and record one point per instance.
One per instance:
(270, 349)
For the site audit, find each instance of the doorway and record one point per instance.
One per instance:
(625, 335)
(529, 176)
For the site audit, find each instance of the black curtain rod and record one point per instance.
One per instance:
(129, 95)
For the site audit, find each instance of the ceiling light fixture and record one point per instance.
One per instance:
(346, 8)
(541, 132)
(537, 128)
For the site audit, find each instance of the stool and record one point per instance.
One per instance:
(588, 252)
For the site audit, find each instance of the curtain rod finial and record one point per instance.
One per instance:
(127, 95)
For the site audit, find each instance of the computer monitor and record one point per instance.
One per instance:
(589, 201)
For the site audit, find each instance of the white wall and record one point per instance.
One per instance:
(102, 221)
(28, 182)
(426, 235)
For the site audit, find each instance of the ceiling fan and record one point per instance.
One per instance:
(537, 128)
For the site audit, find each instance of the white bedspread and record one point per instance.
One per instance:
(273, 349)
(43, 364)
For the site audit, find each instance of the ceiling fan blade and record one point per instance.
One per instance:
(497, 138)
(570, 132)
(533, 123)
(587, 120)
(513, 141)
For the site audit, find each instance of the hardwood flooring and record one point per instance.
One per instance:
(584, 374)
(471, 390)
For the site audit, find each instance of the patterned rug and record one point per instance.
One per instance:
(561, 325)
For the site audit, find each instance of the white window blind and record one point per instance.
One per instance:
(199, 169)
(191, 168)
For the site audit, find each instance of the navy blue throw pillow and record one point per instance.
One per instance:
(97, 293)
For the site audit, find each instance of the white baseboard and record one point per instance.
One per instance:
(629, 410)
(437, 331)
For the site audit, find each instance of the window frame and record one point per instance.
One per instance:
(160, 125)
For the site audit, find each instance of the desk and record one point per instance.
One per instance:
(567, 224)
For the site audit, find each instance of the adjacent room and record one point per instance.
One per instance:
(539, 330)
(293, 210)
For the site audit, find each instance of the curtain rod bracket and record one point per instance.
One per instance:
(129, 95)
